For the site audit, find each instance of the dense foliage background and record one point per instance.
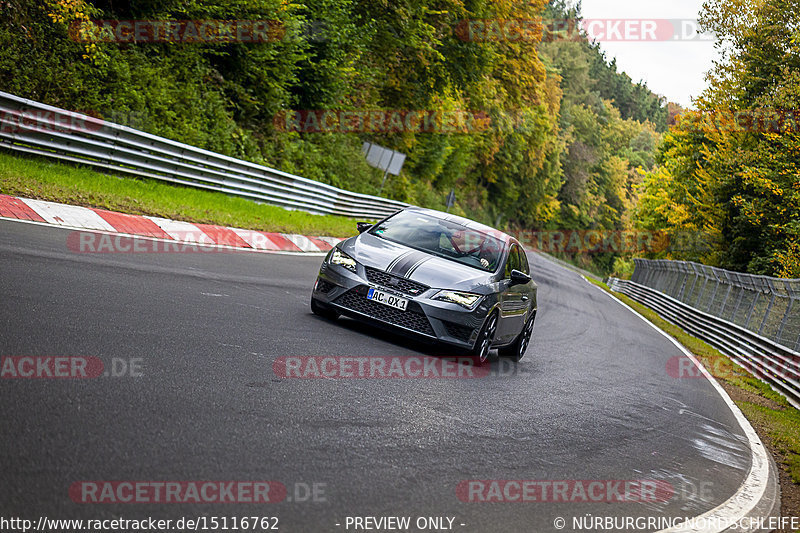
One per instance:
(584, 144)
(738, 183)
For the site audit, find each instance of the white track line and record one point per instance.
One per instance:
(755, 484)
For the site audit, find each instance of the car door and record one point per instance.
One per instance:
(528, 290)
(514, 300)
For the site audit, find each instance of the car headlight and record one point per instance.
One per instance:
(464, 299)
(340, 258)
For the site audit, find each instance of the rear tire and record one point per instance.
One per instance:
(517, 349)
(320, 309)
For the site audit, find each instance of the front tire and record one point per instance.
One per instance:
(483, 344)
(516, 350)
(320, 309)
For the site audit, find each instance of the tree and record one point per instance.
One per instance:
(732, 166)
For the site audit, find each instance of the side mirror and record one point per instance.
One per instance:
(519, 278)
(363, 226)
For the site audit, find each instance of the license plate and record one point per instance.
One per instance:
(387, 299)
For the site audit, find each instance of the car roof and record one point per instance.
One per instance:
(471, 224)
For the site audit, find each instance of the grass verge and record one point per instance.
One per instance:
(771, 415)
(45, 180)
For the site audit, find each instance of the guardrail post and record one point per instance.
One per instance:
(677, 282)
(637, 270)
(703, 289)
(684, 279)
(716, 287)
(658, 276)
(769, 307)
(752, 282)
(727, 293)
(752, 307)
(647, 272)
(694, 282)
(779, 335)
(739, 300)
(651, 273)
(669, 277)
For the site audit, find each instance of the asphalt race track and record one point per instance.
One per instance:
(592, 400)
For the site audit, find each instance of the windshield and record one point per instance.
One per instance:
(447, 239)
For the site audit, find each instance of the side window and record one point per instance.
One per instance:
(513, 260)
(523, 262)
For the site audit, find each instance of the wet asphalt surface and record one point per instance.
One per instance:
(592, 400)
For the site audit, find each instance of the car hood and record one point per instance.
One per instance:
(423, 267)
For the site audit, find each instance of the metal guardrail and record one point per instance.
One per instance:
(766, 306)
(31, 127)
(771, 362)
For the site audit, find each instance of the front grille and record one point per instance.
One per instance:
(458, 331)
(325, 286)
(412, 318)
(384, 279)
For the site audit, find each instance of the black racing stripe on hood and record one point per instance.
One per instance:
(398, 259)
(415, 266)
(402, 267)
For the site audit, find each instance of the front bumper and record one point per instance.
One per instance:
(346, 292)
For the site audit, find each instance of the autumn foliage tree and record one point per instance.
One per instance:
(729, 169)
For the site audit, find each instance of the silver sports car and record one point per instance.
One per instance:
(442, 277)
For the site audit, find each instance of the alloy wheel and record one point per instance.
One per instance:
(486, 339)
